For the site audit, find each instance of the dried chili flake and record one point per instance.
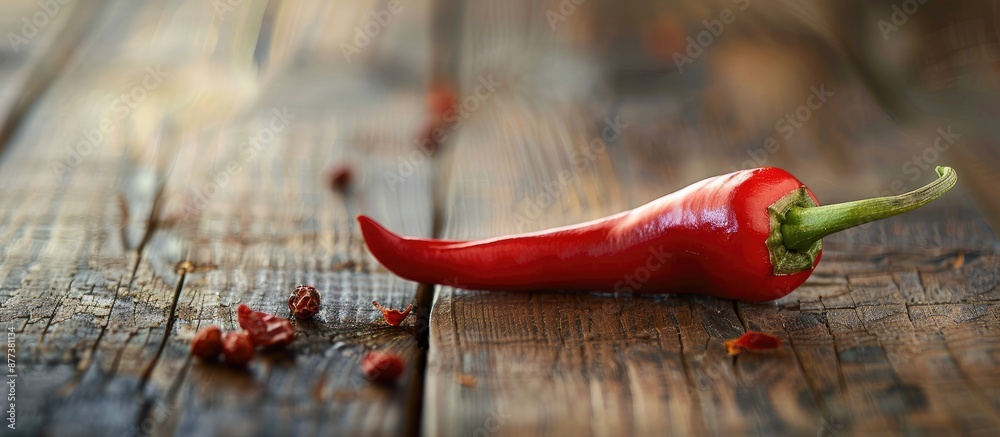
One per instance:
(237, 349)
(250, 320)
(465, 380)
(383, 367)
(339, 177)
(441, 99)
(393, 317)
(207, 343)
(752, 341)
(304, 302)
(265, 330)
(441, 103)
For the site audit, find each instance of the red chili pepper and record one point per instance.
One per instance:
(752, 341)
(753, 235)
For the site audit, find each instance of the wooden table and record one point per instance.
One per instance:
(163, 162)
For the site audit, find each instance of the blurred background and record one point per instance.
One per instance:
(720, 85)
(163, 160)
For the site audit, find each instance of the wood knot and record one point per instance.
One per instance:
(184, 267)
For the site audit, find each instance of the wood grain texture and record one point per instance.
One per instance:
(168, 222)
(40, 38)
(538, 359)
(113, 254)
(869, 341)
(854, 357)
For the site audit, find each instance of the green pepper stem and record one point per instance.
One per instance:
(804, 226)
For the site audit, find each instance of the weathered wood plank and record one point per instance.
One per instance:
(65, 265)
(91, 262)
(891, 375)
(895, 332)
(853, 359)
(523, 356)
(41, 37)
(307, 239)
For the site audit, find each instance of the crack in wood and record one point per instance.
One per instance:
(171, 318)
(810, 382)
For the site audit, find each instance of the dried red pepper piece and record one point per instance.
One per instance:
(304, 302)
(237, 349)
(249, 319)
(265, 330)
(383, 367)
(393, 317)
(440, 99)
(340, 177)
(207, 343)
(752, 341)
(441, 115)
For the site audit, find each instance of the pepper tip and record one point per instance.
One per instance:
(369, 227)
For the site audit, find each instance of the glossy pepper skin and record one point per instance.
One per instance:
(708, 238)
